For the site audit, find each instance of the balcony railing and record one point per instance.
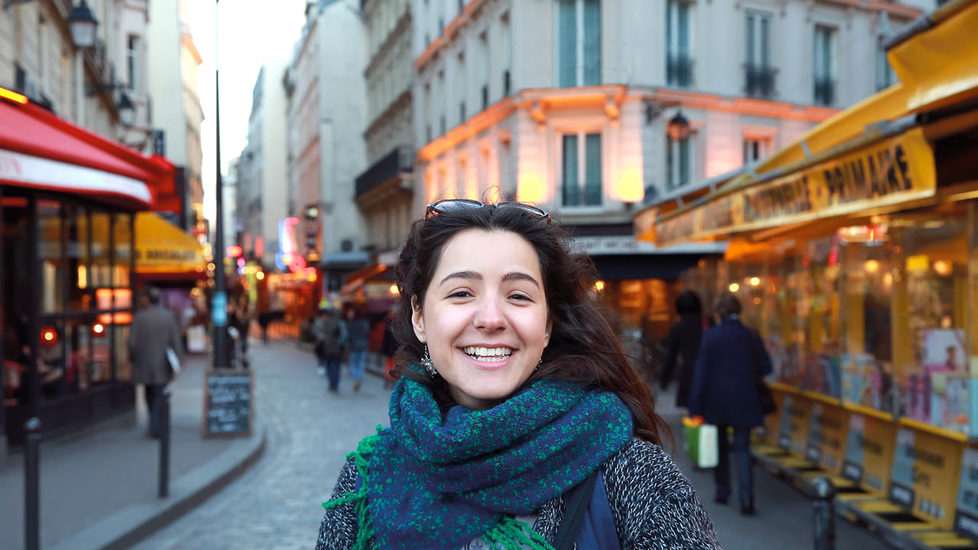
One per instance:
(679, 70)
(400, 159)
(759, 81)
(587, 195)
(824, 91)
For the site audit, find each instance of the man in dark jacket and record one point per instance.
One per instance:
(153, 330)
(725, 393)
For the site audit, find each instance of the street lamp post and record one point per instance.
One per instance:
(219, 300)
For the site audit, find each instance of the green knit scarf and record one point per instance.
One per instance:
(440, 480)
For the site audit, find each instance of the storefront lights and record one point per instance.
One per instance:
(734, 287)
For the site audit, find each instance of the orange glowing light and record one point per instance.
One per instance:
(98, 329)
(530, 188)
(629, 186)
(13, 96)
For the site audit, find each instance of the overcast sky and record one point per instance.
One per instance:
(249, 32)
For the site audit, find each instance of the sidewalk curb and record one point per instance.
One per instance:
(128, 526)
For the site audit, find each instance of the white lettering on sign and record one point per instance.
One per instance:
(612, 245)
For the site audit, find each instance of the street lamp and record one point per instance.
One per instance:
(678, 127)
(82, 24)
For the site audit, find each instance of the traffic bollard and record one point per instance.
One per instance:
(32, 485)
(824, 513)
(164, 477)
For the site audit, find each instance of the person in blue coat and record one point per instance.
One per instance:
(725, 393)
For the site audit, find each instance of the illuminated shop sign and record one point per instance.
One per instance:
(889, 172)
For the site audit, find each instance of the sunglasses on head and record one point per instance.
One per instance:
(445, 206)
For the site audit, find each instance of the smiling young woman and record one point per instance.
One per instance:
(514, 390)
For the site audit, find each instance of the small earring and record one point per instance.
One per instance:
(539, 364)
(429, 367)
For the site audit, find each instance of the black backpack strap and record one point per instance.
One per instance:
(576, 501)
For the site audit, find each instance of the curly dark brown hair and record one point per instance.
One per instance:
(583, 348)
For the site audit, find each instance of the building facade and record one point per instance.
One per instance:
(567, 103)
(384, 190)
(84, 85)
(326, 111)
(176, 123)
(261, 201)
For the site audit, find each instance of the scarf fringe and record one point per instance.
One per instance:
(512, 534)
(361, 459)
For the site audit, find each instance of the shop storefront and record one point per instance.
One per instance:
(855, 253)
(173, 261)
(67, 203)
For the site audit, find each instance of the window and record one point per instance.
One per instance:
(507, 53)
(581, 179)
(679, 62)
(679, 162)
(824, 69)
(460, 80)
(482, 68)
(884, 72)
(756, 148)
(579, 43)
(132, 50)
(759, 75)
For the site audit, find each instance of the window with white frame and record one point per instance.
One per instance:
(461, 79)
(579, 43)
(758, 72)
(756, 148)
(679, 59)
(885, 77)
(824, 65)
(132, 62)
(581, 169)
(679, 161)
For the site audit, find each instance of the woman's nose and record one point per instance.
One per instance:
(489, 315)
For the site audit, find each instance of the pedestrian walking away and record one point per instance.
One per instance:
(517, 420)
(153, 331)
(725, 393)
(330, 335)
(683, 344)
(358, 328)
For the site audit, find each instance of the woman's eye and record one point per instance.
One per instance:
(520, 297)
(460, 294)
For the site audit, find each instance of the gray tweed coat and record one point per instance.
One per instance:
(653, 504)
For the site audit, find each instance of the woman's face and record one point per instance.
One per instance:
(485, 318)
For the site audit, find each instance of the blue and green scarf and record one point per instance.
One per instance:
(437, 480)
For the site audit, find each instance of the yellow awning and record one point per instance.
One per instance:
(937, 64)
(163, 249)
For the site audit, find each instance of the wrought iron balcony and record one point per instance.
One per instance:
(399, 160)
(679, 70)
(759, 81)
(824, 91)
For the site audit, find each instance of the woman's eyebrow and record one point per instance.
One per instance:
(472, 275)
(519, 276)
(461, 275)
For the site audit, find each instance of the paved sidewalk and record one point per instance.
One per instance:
(99, 486)
(784, 516)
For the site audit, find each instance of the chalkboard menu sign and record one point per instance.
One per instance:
(228, 409)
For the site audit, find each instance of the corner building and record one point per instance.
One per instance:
(569, 104)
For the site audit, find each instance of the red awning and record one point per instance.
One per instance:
(40, 150)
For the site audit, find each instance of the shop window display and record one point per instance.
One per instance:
(930, 293)
(51, 252)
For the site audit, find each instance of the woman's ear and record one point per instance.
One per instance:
(417, 321)
(546, 336)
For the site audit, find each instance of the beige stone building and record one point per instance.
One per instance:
(384, 190)
(566, 103)
(84, 85)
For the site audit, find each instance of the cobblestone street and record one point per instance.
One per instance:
(277, 503)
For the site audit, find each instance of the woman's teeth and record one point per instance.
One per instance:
(487, 354)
